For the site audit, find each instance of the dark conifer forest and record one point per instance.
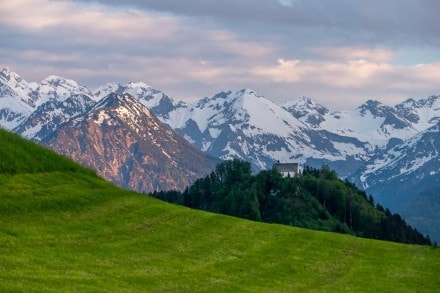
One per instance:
(315, 199)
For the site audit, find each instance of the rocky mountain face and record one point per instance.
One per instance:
(111, 132)
(398, 175)
(126, 144)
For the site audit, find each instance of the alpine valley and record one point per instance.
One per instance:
(132, 134)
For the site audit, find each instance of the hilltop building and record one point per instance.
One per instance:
(287, 169)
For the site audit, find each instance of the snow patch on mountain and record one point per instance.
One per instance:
(102, 116)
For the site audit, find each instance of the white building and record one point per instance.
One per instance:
(287, 169)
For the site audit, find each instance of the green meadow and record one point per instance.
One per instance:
(63, 229)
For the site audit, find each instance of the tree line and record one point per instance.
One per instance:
(315, 199)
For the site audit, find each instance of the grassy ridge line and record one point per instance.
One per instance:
(64, 231)
(18, 155)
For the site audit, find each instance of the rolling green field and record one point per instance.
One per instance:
(64, 229)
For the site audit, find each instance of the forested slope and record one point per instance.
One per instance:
(315, 199)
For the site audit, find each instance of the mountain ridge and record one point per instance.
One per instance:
(310, 133)
(126, 144)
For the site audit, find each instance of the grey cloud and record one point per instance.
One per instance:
(217, 45)
(394, 20)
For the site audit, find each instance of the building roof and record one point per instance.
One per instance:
(286, 167)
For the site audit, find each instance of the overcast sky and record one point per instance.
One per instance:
(340, 53)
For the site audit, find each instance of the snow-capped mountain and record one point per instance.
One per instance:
(14, 99)
(306, 110)
(55, 88)
(33, 109)
(47, 117)
(241, 125)
(397, 176)
(34, 94)
(128, 145)
(158, 102)
(228, 125)
(372, 122)
(246, 125)
(249, 126)
(402, 177)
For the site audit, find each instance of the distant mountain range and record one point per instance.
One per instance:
(114, 134)
(390, 151)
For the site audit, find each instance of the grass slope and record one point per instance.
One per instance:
(64, 229)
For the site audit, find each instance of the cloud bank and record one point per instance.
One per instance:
(339, 53)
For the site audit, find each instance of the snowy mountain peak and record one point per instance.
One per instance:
(111, 100)
(138, 84)
(303, 106)
(7, 75)
(235, 124)
(408, 103)
(106, 89)
(10, 77)
(248, 92)
(115, 109)
(230, 104)
(147, 95)
(60, 82)
(432, 101)
(124, 103)
(229, 97)
(17, 85)
(57, 88)
(301, 101)
(14, 99)
(375, 108)
(243, 100)
(306, 110)
(51, 114)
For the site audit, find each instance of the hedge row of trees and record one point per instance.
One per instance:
(316, 199)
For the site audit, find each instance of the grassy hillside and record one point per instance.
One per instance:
(64, 229)
(20, 156)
